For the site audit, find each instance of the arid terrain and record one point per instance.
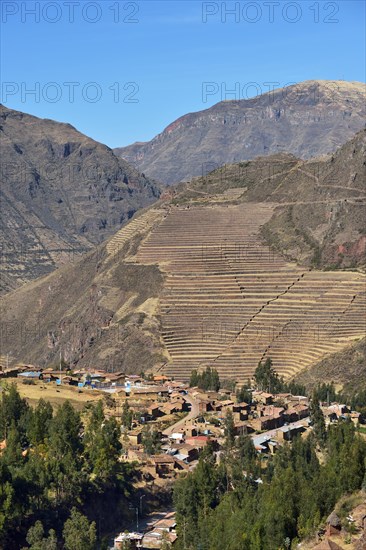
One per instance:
(212, 275)
(62, 193)
(308, 119)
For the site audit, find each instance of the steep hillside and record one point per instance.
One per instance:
(191, 281)
(309, 119)
(61, 193)
(346, 368)
(97, 312)
(320, 216)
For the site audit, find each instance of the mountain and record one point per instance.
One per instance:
(61, 194)
(320, 217)
(197, 279)
(308, 119)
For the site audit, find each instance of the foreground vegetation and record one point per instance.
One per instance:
(59, 471)
(243, 503)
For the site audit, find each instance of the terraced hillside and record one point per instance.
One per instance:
(207, 277)
(229, 301)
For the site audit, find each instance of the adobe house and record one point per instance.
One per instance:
(190, 431)
(117, 378)
(205, 406)
(166, 464)
(135, 437)
(128, 540)
(263, 397)
(154, 410)
(242, 428)
(185, 452)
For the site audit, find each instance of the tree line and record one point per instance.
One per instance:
(61, 481)
(245, 502)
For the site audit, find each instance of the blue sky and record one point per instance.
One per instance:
(121, 71)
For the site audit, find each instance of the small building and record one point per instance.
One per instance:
(171, 408)
(287, 433)
(178, 437)
(154, 410)
(185, 452)
(190, 430)
(263, 397)
(135, 437)
(242, 428)
(165, 464)
(296, 412)
(205, 405)
(161, 378)
(133, 540)
(117, 378)
(267, 422)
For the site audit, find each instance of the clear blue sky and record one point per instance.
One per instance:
(162, 52)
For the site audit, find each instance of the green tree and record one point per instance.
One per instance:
(151, 440)
(127, 415)
(64, 453)
(39, 422)
(78, 533)
(193, 382)
(102, 445)
(317, 420)
(266, 378)
(13, 409)
(37, 541)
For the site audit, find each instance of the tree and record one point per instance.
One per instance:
(266, 377)
(40, 422)
(244, 395)
(317, 420)
(102, 445)
(151, 440)
(193, 382)
(64, 453)
(13, 451)
(37, 541)
(208, 379)
(78, 533)
(12, 409)
(127, 415)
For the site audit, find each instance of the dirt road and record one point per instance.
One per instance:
(193, 413)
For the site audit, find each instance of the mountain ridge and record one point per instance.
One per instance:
(308, 120)
(62, 193)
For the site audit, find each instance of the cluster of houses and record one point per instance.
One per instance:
(82, 377)
(186, 420)
(270, 420)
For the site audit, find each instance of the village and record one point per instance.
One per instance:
(180, 421)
